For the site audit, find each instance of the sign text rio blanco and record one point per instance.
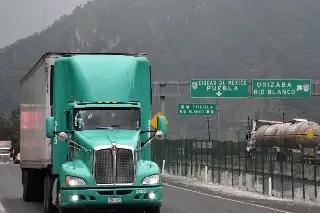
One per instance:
(197, 109)
(219, 88)
(277, 88)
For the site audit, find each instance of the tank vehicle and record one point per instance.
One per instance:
(291, 135)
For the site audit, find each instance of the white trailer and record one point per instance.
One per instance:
(35, 148)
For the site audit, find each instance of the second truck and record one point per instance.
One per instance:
(298, 139)
(85, 133)
(5, 149)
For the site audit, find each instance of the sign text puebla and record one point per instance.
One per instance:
(218, 88)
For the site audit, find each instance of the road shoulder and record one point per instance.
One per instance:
(238, 195)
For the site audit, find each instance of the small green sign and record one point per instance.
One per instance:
(281, 88)
(219, 88)
(197, 109)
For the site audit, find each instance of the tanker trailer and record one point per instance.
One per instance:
(301, 133)
(294, 135)
(257, 129)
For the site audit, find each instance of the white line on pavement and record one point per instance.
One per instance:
(223, 198)
(2, 210)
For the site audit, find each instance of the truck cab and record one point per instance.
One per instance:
(5, 155)
(5, 151)
(105, 164)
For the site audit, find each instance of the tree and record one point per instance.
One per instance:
(14, 126)
(10, 127)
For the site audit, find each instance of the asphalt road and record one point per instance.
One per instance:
(176, 199)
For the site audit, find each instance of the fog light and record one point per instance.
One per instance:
(75, 198)
(152, 195)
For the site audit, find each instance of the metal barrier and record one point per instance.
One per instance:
(284, 174)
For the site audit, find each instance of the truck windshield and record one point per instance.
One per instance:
(108, 118)
(4, 151)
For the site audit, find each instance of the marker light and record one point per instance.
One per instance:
(75, 198)
(152, 195)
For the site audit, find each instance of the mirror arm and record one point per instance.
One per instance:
(147, 142)
(146, 131)
(72, 143)
(77, 146)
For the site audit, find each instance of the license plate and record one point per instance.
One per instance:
(114, 200)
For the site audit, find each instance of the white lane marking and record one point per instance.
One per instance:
(2, 210)
(223, 198)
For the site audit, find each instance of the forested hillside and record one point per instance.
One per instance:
(187, 39)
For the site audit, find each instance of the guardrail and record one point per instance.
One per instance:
(288, 175)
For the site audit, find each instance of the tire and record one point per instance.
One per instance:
(38, 179)
(48, 207)
(153, 210)
(28, 186)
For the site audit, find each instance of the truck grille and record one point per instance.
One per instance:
(125, 166)
(103, 168)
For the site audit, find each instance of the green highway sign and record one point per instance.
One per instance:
(219, 88)
(197, 109)
(281, 88)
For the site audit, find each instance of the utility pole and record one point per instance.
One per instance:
(182, 133)
(218, 124)
(162, 98)
(282, 113)
(248, 122)
(208, 125)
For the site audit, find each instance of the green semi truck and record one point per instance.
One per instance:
(86, 135)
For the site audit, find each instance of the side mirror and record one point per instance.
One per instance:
(50, 127)
(162, 125)
(159, 135)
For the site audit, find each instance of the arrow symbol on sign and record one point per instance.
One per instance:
(219, 93)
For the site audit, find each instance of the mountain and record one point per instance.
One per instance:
(188, 39)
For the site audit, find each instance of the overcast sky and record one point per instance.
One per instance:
(21, 18)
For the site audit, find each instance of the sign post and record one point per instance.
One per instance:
(197, 109)
(218, 88)
(281, 88)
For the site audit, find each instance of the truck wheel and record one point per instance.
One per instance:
(38, 180)
(47, 192)
(153, 210)
(28, 186)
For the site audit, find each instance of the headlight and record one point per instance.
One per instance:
(75, 181)
(153, 179)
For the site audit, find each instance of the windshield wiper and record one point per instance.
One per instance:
(108, 127)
